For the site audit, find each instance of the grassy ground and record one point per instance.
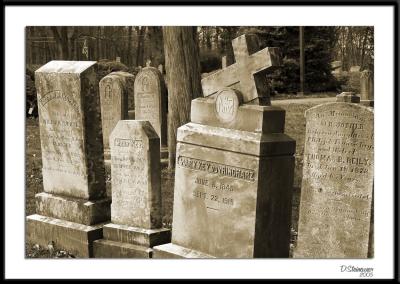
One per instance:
(294, 127)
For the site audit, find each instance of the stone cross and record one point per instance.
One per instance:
(248, 73)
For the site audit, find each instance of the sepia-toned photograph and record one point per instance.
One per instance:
(227, 142)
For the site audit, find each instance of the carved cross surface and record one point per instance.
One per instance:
(248, 73)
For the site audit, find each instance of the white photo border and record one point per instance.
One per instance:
(17, 17)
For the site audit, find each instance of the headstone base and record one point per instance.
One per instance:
(121, 241)
(367, 103)
(75, 238)
(71, 209)
(175, 251)
(110, 249)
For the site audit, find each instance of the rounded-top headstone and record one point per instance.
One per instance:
(151, 100)
(337, 185)
(115, 91)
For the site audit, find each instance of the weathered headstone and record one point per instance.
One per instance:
(336, 193)
(151, 100)
(367, 88)
(118, 59)
(115, 89)
(73, 202)
(355, 68)
(136, 210)
(234, 172)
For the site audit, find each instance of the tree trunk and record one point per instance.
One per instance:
(61, 37)
(230, 57)
(129, 52)
(156, 54)
(182, 66)
(208, 38)
(140, 47)
(363, 48)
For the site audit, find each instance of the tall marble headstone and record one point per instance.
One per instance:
(151, 100)
(74, 199)
(367, 88)
(136, 209)
(336, 193)
(115, 90)
(234, 166)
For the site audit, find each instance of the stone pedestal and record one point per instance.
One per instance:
(233, 182)
(122, 241)
(73, 206)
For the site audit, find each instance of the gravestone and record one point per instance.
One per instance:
(367, 88)
(115, 90)
(74, 204)
(355, 68)
(151, 100)
(136, 211)
(118, 59)
(336, 193)
(234, 168)
(161, 68)
(148, 63)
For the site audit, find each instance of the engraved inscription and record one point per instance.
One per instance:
(60, 133)
(216, 168)
(129, 180)
(226, 105)
(335, 206)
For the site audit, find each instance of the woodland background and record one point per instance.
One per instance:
(353, 46)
